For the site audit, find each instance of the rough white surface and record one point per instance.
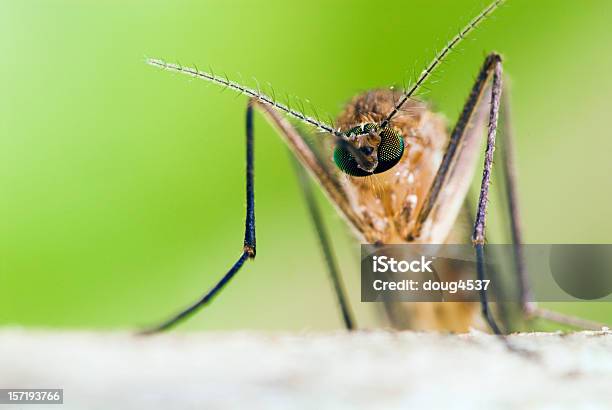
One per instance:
(368, 369)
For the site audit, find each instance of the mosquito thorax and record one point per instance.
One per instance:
(380, 149)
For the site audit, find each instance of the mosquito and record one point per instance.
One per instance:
(397, 175)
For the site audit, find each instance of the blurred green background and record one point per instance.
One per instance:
(122, 186)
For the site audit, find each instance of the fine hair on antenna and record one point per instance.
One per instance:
(439, 57)
(261, 97)
(241, 89)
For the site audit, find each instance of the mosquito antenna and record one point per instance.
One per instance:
(273, 92)
(339, 137)
(241, 89)
(227, 80)
(258, 88)
(241, 81)
(300, 102)
(314, 110)
(441, 56)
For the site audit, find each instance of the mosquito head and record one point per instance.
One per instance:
(379, 148)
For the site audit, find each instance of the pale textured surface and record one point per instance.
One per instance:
(369, 369)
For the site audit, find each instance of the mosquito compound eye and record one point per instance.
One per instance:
(347, 163)
(390, 152)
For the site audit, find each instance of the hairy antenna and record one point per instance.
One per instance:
(241, 89)
(339, 137)
(440, 57)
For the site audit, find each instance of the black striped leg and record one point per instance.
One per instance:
(325, 244)
(478, 236)
(248, 251)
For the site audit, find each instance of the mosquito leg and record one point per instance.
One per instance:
(478, 237)
(248, 251)
(325, 243)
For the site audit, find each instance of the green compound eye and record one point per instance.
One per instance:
(390, 152)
